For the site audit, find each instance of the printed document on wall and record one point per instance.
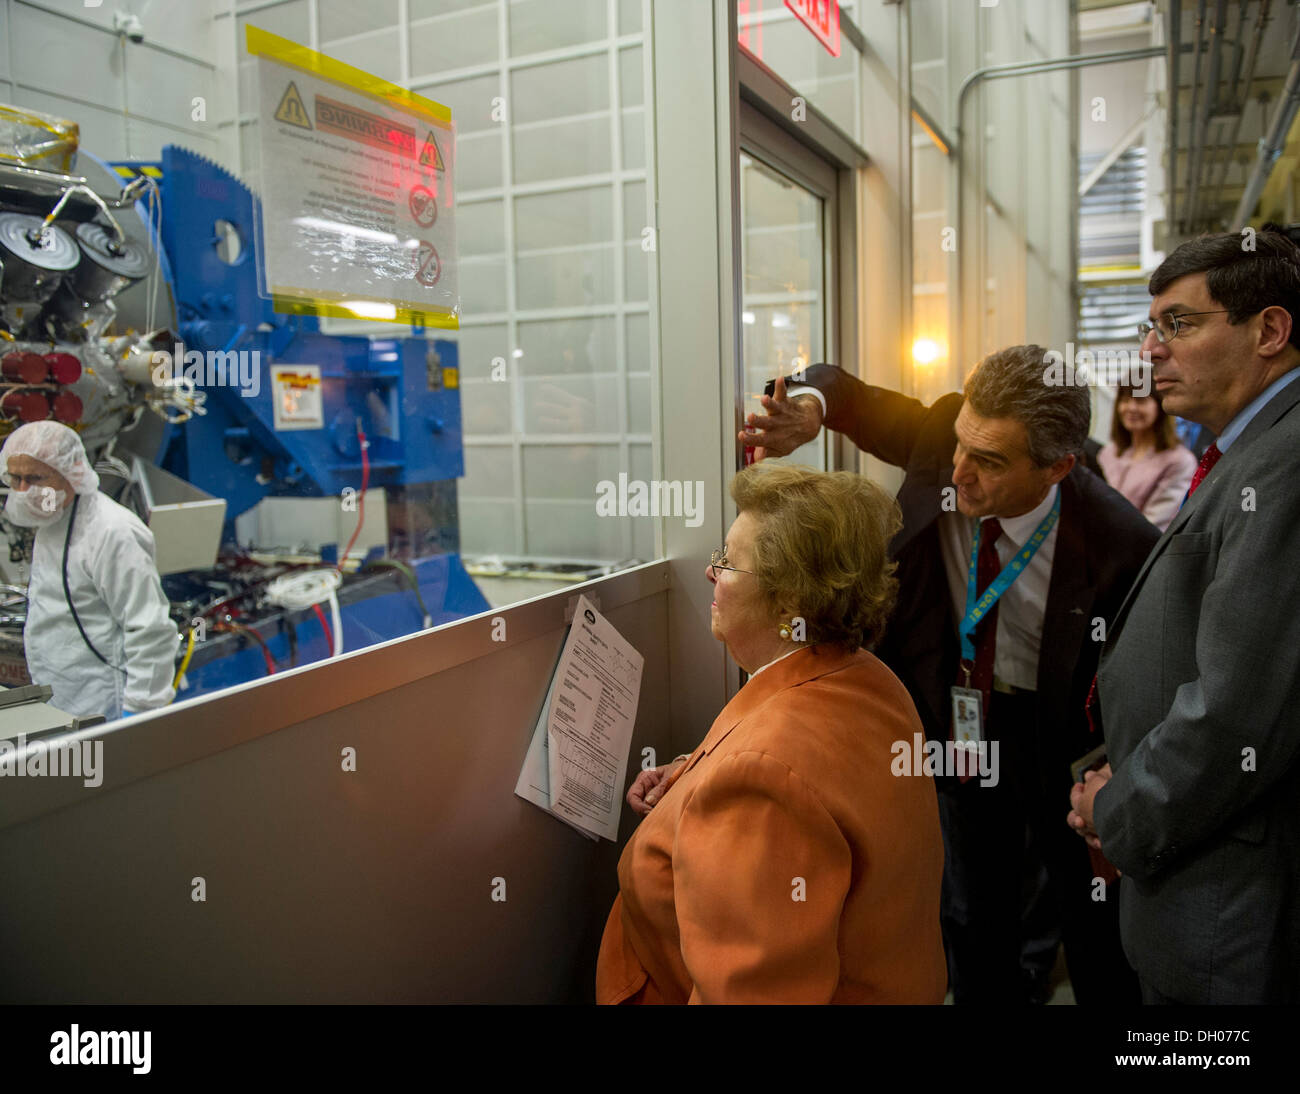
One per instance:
(590, 715)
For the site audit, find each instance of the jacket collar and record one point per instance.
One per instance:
(807, 664)
(1264, 420)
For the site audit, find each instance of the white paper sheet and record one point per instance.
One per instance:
(577, 760)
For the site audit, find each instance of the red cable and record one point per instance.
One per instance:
(239, 628)
(329, 635)
(365, 484)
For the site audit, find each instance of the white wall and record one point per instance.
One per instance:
(552, 204)
(61, 57)
(1018, 169)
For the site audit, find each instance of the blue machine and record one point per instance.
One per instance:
(403, 393)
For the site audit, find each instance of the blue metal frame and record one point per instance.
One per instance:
(404, 392)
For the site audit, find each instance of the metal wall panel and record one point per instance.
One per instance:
(326, 886)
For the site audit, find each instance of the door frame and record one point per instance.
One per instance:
(769, 144)
(819, 156)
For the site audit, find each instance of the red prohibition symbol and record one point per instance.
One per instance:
(423, 206)
(428, 268)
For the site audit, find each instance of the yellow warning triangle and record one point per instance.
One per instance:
(291, 110)
(429, 154)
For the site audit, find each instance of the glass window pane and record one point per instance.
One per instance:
(563, 149)
(375, 53)
(571, 404)
(425, 9)
(470, 102)
(638, 342)
(560, 89)
(631, 77)
(482, 285)
(341, 18)
(634, 140)
(460, 41)
(564, 219)
(567, 345)
(478, 161)
(481, 345)
(481, 227)
(487, 440)
(782, 255)
(568, 279)
(629, 16)
(539, 25)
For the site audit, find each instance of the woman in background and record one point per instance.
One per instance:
(783, 861)
(1144, 460)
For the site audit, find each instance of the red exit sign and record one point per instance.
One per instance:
(822, 17)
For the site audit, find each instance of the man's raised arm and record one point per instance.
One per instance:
(881, 422)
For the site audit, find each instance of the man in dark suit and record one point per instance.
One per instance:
(1200, 678)
(1006, 450)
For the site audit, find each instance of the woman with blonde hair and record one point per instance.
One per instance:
(783, 861)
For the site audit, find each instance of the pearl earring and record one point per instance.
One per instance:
(784, 631)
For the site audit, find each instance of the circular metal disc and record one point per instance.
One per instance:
(96, 240)
(54, 251)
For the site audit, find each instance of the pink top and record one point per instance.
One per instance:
(1154, 484)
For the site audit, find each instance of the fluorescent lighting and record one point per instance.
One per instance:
(780, 319)
(748, 317)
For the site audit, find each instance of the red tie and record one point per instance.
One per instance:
(987, 568)
(1203, 468)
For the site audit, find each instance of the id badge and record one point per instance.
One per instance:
(966, 706)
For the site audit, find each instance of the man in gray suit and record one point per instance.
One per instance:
(1199, 682)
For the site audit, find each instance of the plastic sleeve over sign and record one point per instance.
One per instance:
(357, 191)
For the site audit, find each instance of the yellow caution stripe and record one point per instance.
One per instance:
(262, 43)
(289, 301)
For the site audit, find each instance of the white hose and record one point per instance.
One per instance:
(298, 592)
(337, 620)
(82, 189)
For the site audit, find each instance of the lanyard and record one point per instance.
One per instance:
(975, 611)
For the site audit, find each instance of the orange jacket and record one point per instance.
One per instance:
(786, 863)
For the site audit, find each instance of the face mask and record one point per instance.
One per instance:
(35, 506)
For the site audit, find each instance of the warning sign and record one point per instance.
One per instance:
(427, 267)
(361, 125)
(423, 205)
(353, 223)
(429, 154)
(296, 397)
(291, 111)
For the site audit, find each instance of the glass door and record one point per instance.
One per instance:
(788, 242)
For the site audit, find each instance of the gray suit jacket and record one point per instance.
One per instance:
(1200, 696)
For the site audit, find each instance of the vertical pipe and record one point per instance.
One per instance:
(1240, 101)
(1209, 105)
(1270, 146)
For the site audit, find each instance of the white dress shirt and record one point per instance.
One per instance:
(779, 657)
(1021, 607)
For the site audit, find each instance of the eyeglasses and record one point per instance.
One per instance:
(1167, 325)
(18, 480)
(718, 561)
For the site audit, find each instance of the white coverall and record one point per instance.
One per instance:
(113, 579)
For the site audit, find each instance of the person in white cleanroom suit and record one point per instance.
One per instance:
(93, 565)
